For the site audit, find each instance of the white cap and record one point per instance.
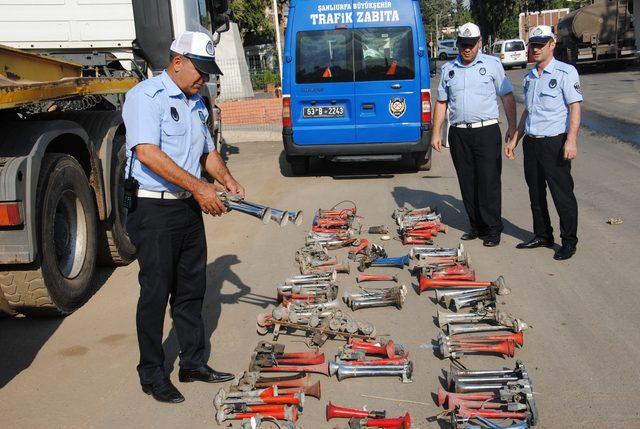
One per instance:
(198, 47)
(469, 32)
(541, 34)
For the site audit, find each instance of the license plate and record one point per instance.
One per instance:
(323, 112)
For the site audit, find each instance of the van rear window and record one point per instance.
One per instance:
(324, 56)
(383, 53)
(514, 46)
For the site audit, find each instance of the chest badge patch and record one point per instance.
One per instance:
(483, 71)
(174, 114)
(451, 74)
(202, 118)
(553, 83)
(526, 86)
(397, 106)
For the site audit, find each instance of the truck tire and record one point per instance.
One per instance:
(67, 231)
(5, 308)
(299, 165)
(115, 247)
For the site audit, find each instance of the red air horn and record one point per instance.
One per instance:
(335, 412)
(398, 423)
(444, 396)
(308, 390)
(517, 338)
(506, 348)
(322, 368)
(376, 278)
(388, 349)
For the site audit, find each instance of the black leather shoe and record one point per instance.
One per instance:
(163, 391)
(535, 242)
(565, 252)
(491, 241)
(471, 235)
(204, 373)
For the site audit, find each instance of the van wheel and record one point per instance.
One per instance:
(299, 164)
(422, 160)
(443, 56)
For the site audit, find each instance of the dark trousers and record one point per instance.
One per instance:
(477, 157)
(172, 254)
(544, 164)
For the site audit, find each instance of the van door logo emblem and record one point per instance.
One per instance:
(397, 106)
(483, 71)
(553, 83)
(174, 114)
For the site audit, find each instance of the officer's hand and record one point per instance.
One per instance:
(234, 187)
(436, 142)
(206, 196)
(511, 132)
(570, 149)
(510, 148)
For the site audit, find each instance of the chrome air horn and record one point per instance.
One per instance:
(264, 213)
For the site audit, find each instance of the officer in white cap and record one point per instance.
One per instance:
(469, 88)
(549, 124)
(168, 144)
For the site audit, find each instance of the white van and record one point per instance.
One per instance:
(447, 49)
(512, 52)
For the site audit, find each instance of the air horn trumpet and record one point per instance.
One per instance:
(336, 412)
(427, 283)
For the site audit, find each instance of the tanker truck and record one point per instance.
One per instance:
(598, 33)
(65, 67)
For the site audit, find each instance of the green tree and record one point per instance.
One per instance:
(440, 12)
(255, 25)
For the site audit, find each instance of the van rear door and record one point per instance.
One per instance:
(387, 74)
(322, 88)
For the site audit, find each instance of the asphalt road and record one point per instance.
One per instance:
(582, 350)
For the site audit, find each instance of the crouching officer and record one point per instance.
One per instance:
(550, 124)
(169, 143)
(468, 87)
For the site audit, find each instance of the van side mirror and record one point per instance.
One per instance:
(220, 23)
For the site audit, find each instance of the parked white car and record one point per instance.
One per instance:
(512, 52)
(447, 49)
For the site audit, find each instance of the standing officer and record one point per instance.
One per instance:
(468, 87)
(168, 143)
(550, 124)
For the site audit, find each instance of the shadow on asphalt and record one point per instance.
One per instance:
(21, 338)
(451, 208)
(227, 149)
(349, 170)
(218, 272)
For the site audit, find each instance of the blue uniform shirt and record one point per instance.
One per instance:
(548, 96)
(156, 111)
(471, 90)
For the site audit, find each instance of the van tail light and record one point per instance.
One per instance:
(425, 99)
(286, 111)
(10, 213)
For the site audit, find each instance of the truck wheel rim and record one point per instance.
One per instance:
(70, 234)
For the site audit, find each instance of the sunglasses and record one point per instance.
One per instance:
(461, 45)
(538, 45)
